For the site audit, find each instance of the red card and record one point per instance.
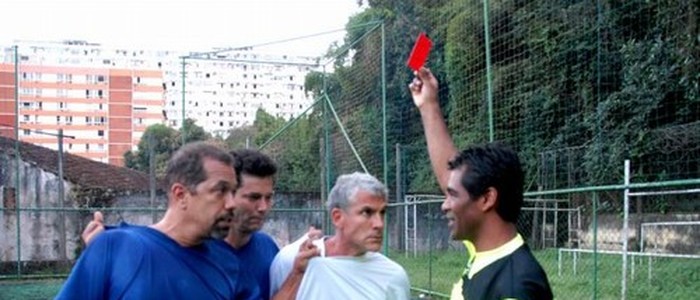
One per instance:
(420, 52)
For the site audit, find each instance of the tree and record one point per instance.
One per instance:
(162, 139)
(164, 142)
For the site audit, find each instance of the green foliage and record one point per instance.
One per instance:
(163, 141)
(576, 87)
(295, 151)
(193, 132)
(241, 137)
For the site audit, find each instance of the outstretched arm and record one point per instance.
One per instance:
(441, 148)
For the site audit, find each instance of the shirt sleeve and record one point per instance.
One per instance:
(90, 274)
(401, 290)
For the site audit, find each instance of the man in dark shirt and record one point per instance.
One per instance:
(484, 194)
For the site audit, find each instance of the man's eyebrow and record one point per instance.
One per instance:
(223, 184)
(451, 191)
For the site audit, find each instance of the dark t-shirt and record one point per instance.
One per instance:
(515, 276)
(256, 257)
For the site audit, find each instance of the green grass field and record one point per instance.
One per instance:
(30, 289)
(672, 278)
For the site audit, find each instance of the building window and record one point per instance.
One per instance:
(26, 132)
(101, 133)
(99, 94)
(100, 78)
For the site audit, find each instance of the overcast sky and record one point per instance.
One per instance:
(173, 24)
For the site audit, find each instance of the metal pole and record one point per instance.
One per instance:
(384, 133)
(489, 88)
(415, 230)
(385, 147)
(17, 163)
(327, 143)
(625, 229)
(398, 180)
(182, 126)
(595, 245)
(61, 201)
(152, 175)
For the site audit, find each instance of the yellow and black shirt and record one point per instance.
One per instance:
(507, 272)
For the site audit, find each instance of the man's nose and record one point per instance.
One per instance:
(446, 206)
(378, 221)
(264, 205)
(229, 203)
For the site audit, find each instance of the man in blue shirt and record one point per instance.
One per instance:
(253, 200)
(174, 258)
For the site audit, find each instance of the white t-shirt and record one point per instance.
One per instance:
(371, 276)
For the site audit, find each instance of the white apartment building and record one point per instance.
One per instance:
(224, 90)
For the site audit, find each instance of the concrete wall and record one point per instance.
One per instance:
(38, 230)
(39, 226)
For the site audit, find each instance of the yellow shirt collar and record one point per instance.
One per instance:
(483, 259)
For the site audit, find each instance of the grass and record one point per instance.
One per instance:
(30, 289)
(672, 278)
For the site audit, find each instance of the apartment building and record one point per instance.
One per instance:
(102, 99)
(224, 89)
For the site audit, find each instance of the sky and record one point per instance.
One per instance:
(173, 24)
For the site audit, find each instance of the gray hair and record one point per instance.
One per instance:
(347, 186)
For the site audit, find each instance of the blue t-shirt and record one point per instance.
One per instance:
(138, 262)
(256, 257)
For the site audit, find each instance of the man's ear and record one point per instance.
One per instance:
(488, 199)
(336, 217)
(179, 194)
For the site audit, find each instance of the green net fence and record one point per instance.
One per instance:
(577, 88)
